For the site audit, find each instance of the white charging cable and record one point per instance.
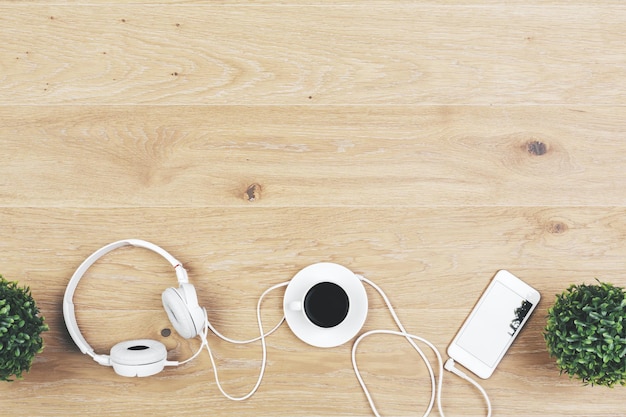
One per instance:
(435, 388)
(431, 373)
(449, 366)
(261, 337)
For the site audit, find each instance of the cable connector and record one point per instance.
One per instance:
(102, 359)
(449, 366)
(181, 274)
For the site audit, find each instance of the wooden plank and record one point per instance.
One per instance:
(432, 262)
(205, 156)
(422, 144)
(300, 54)
(326, 3)
(230, 248)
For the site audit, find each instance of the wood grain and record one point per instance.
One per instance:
(199, 156)
(326, 3)
(420, 256)
(424, 145)
(300, 54)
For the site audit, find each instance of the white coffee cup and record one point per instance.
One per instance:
(325, 304)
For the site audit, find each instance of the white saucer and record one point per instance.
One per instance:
(311, 333)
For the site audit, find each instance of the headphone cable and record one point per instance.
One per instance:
(436, 386)
(205, 343)
(243, 342)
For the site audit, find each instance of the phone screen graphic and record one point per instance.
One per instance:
(494, 323)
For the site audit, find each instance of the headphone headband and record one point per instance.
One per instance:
(68, 304)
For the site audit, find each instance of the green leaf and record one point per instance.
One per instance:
(594, 315)
(20, 329)
(584, 332)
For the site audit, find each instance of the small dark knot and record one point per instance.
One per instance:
(557, 228)
(536, 147)
(253, 192)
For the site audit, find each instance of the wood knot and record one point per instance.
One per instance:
(253, 192)
(536, 148)
(557, 228)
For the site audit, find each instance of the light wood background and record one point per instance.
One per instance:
(423, 144)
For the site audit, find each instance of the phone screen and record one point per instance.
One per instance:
(494, 323)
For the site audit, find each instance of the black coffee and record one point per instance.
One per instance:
(326, 304)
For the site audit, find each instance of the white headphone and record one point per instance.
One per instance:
(142, 357)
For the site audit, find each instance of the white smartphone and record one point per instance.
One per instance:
(493, 324)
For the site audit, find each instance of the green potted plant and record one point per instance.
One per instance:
(20, 330)
(586, 333)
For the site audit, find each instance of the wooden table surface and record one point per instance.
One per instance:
(424, 145)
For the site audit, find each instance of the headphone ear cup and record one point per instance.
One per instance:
(181, 306)
(142, 357)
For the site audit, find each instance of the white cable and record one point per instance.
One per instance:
(449, 365)
(195, 355)
(262, 337)
(409, 338)
(243, 342)
(436, 387)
